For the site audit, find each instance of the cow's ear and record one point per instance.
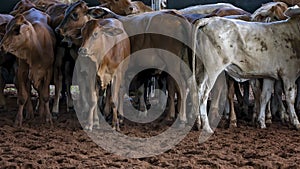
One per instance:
(84, 6)
(3, 27)
(20, 18)
(112, 31)
(96, 12)
(24, 28)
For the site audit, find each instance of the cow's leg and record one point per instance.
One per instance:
(232, 122)
(23, 87)
(92, 104)
(297, 104)
(141, 101)
(2, 86)
(290, 89)
(218, 98)
(162, 95)
(268, 112)
(58, 78)
(246, 95)
(45, 96)
(256, 89)
(68, 81)
(279, 103)
(264, 99)
(204, 89)
(116, 97)
(237, 92)
(107, 105)
(171, 98)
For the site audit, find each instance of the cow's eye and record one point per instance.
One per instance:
(95, 34)
(16, 30)
(74, 16)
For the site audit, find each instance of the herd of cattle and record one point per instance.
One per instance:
(41, 40)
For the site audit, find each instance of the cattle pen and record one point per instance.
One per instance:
(149, 136)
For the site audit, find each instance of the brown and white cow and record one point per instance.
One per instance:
(105, 45)
(249, 50)
(29, 37)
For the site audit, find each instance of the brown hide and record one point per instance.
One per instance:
(120, 7)
(29, 37)
(272, 11)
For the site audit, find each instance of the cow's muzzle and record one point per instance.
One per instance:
(82, 51)
(59, 31)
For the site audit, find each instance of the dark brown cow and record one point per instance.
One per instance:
(7, 62)
(22, 6)
(63, 66)
(29, 37)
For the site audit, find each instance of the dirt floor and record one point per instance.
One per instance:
(66, 145)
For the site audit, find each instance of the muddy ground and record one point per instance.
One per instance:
(66, 145)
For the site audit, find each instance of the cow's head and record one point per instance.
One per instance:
(45, 4)
(76, 15)
(120, 7)
(269, 12)
(92, 35)
(98, 44)
(22, 6)
(18, 31)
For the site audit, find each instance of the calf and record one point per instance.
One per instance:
(105, 45)
(29, 37)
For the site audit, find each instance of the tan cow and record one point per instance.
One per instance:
(105, 45)
(29, 37)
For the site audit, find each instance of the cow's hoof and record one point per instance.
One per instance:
(88, 128)
(96, 126)
(232, 124)
(269, 121)
(17, 124)
(181, 125)
(54, 115)
(297, 126)
(117, 128)
(208, 130)
(262, 125)
(29, 116)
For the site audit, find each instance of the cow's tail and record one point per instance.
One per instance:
(199, 24)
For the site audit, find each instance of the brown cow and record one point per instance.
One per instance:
(78, 15)
(29, 37)
(105, 45)
(120, 7)
(22, 6)
(272, 11)
(140, 7)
